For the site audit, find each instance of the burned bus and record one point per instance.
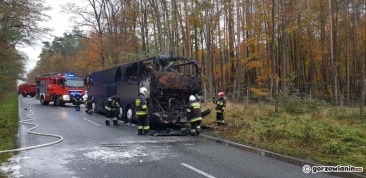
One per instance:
(169, 80)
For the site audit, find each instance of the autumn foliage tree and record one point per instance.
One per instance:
(251, 49)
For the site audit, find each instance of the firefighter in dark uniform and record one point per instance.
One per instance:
(89, 105)
(220, 108)
(77, 101)
(143, 126)
(194, 115)
(115, 111)
(110, 108)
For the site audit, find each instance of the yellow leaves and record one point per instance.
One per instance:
(261, 79)
(254, 64)
(89, 58)
(260, 92)
(291, 28)
(318, 56)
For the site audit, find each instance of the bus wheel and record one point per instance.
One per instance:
(120, 114)
(24, 94)
(129, 114)
(43, 102)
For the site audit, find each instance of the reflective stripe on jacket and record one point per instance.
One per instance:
(194, 111)
(108, 106)
(141, 105)
(220, 105)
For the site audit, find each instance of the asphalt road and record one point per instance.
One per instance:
(91, 149)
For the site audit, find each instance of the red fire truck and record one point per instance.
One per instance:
(59, 88)
(27, 89)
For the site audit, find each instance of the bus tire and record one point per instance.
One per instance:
(24, 94)
(129, 114)
(120, 113)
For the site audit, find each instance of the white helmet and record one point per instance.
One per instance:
(192, 98)
(143, 90)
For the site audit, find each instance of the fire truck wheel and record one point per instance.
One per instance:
(24, 94)
(56, 101)
(43, 102)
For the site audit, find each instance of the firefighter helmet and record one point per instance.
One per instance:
(143, 90)
(192, 98)
(221, 94)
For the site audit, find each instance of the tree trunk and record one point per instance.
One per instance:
(208, 47)
(273, 59)
(231, 46)
(333, 62)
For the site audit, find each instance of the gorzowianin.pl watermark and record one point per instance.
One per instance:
(338, 168)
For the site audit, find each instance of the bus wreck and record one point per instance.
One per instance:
(169, 80)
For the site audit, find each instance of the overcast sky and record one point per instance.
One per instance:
(59, 22)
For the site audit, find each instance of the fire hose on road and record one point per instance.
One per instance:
(26, 122)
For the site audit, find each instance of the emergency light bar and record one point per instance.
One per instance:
(69, 74)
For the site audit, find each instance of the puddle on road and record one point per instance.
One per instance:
(35, 162)
(126, 154)
(12, 167)
(48, 160)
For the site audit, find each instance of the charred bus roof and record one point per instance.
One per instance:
(141, 69)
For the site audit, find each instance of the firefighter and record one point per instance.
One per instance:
(77, 102)
(194, 115)
(89, 105)
(142, 112)
(110, 108)
(220, 108)
(115, 111)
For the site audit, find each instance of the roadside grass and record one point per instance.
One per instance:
(8, 125)
(327, 135)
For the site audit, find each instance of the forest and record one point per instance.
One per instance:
(19, 26)
(253, 50)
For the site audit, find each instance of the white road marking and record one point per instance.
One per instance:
(62, 108)
(197, 170)
(91, 122)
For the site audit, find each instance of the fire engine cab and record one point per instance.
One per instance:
(59, 88)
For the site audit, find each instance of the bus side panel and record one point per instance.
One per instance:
(111, 89)
(127, 94)
(125, 91)
(98, 90)
(99, 93)
(99, 103)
